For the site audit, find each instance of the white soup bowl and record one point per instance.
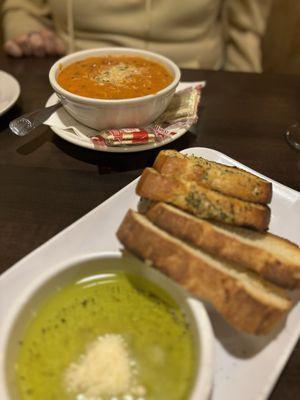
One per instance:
(124, 113)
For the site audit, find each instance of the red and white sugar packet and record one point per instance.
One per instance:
(115, 137)
(181, 113)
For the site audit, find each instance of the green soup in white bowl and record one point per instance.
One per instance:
(106, 327)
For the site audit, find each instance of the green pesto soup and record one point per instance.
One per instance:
(113, 336)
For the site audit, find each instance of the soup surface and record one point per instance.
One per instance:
(114, 77)
(105, 329)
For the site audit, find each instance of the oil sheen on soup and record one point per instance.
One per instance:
(110, 337)
(114, 77)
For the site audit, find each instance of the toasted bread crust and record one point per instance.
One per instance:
(225, 179)
(202, 202)
(230, 296)
(218, 241)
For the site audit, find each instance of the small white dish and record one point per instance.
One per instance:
(102, 114)
(46, 284)
(9, 91)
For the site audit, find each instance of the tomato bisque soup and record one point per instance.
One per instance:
(114, 77)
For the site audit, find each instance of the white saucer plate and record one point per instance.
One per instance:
(9, 91)
(64, 120)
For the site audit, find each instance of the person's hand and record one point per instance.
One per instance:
(38, 44)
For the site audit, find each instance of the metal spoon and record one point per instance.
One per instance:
(23, 125)
(293, 136)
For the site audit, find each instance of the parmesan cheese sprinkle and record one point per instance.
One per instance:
(117, 74)
(104, 371)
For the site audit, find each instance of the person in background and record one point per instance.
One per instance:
(208, 34)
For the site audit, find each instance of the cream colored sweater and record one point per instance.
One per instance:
(210, 34)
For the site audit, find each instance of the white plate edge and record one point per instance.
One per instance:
(278, 369)
(17, 89)
(65, 230)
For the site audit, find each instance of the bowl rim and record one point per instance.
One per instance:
(203, 379)
(65, 94)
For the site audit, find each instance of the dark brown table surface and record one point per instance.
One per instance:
(47, 183)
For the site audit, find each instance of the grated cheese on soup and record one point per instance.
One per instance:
(105, 369)
(117, 74)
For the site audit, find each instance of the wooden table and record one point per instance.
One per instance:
(47, 183)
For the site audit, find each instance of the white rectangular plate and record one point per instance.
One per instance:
(246, 367)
